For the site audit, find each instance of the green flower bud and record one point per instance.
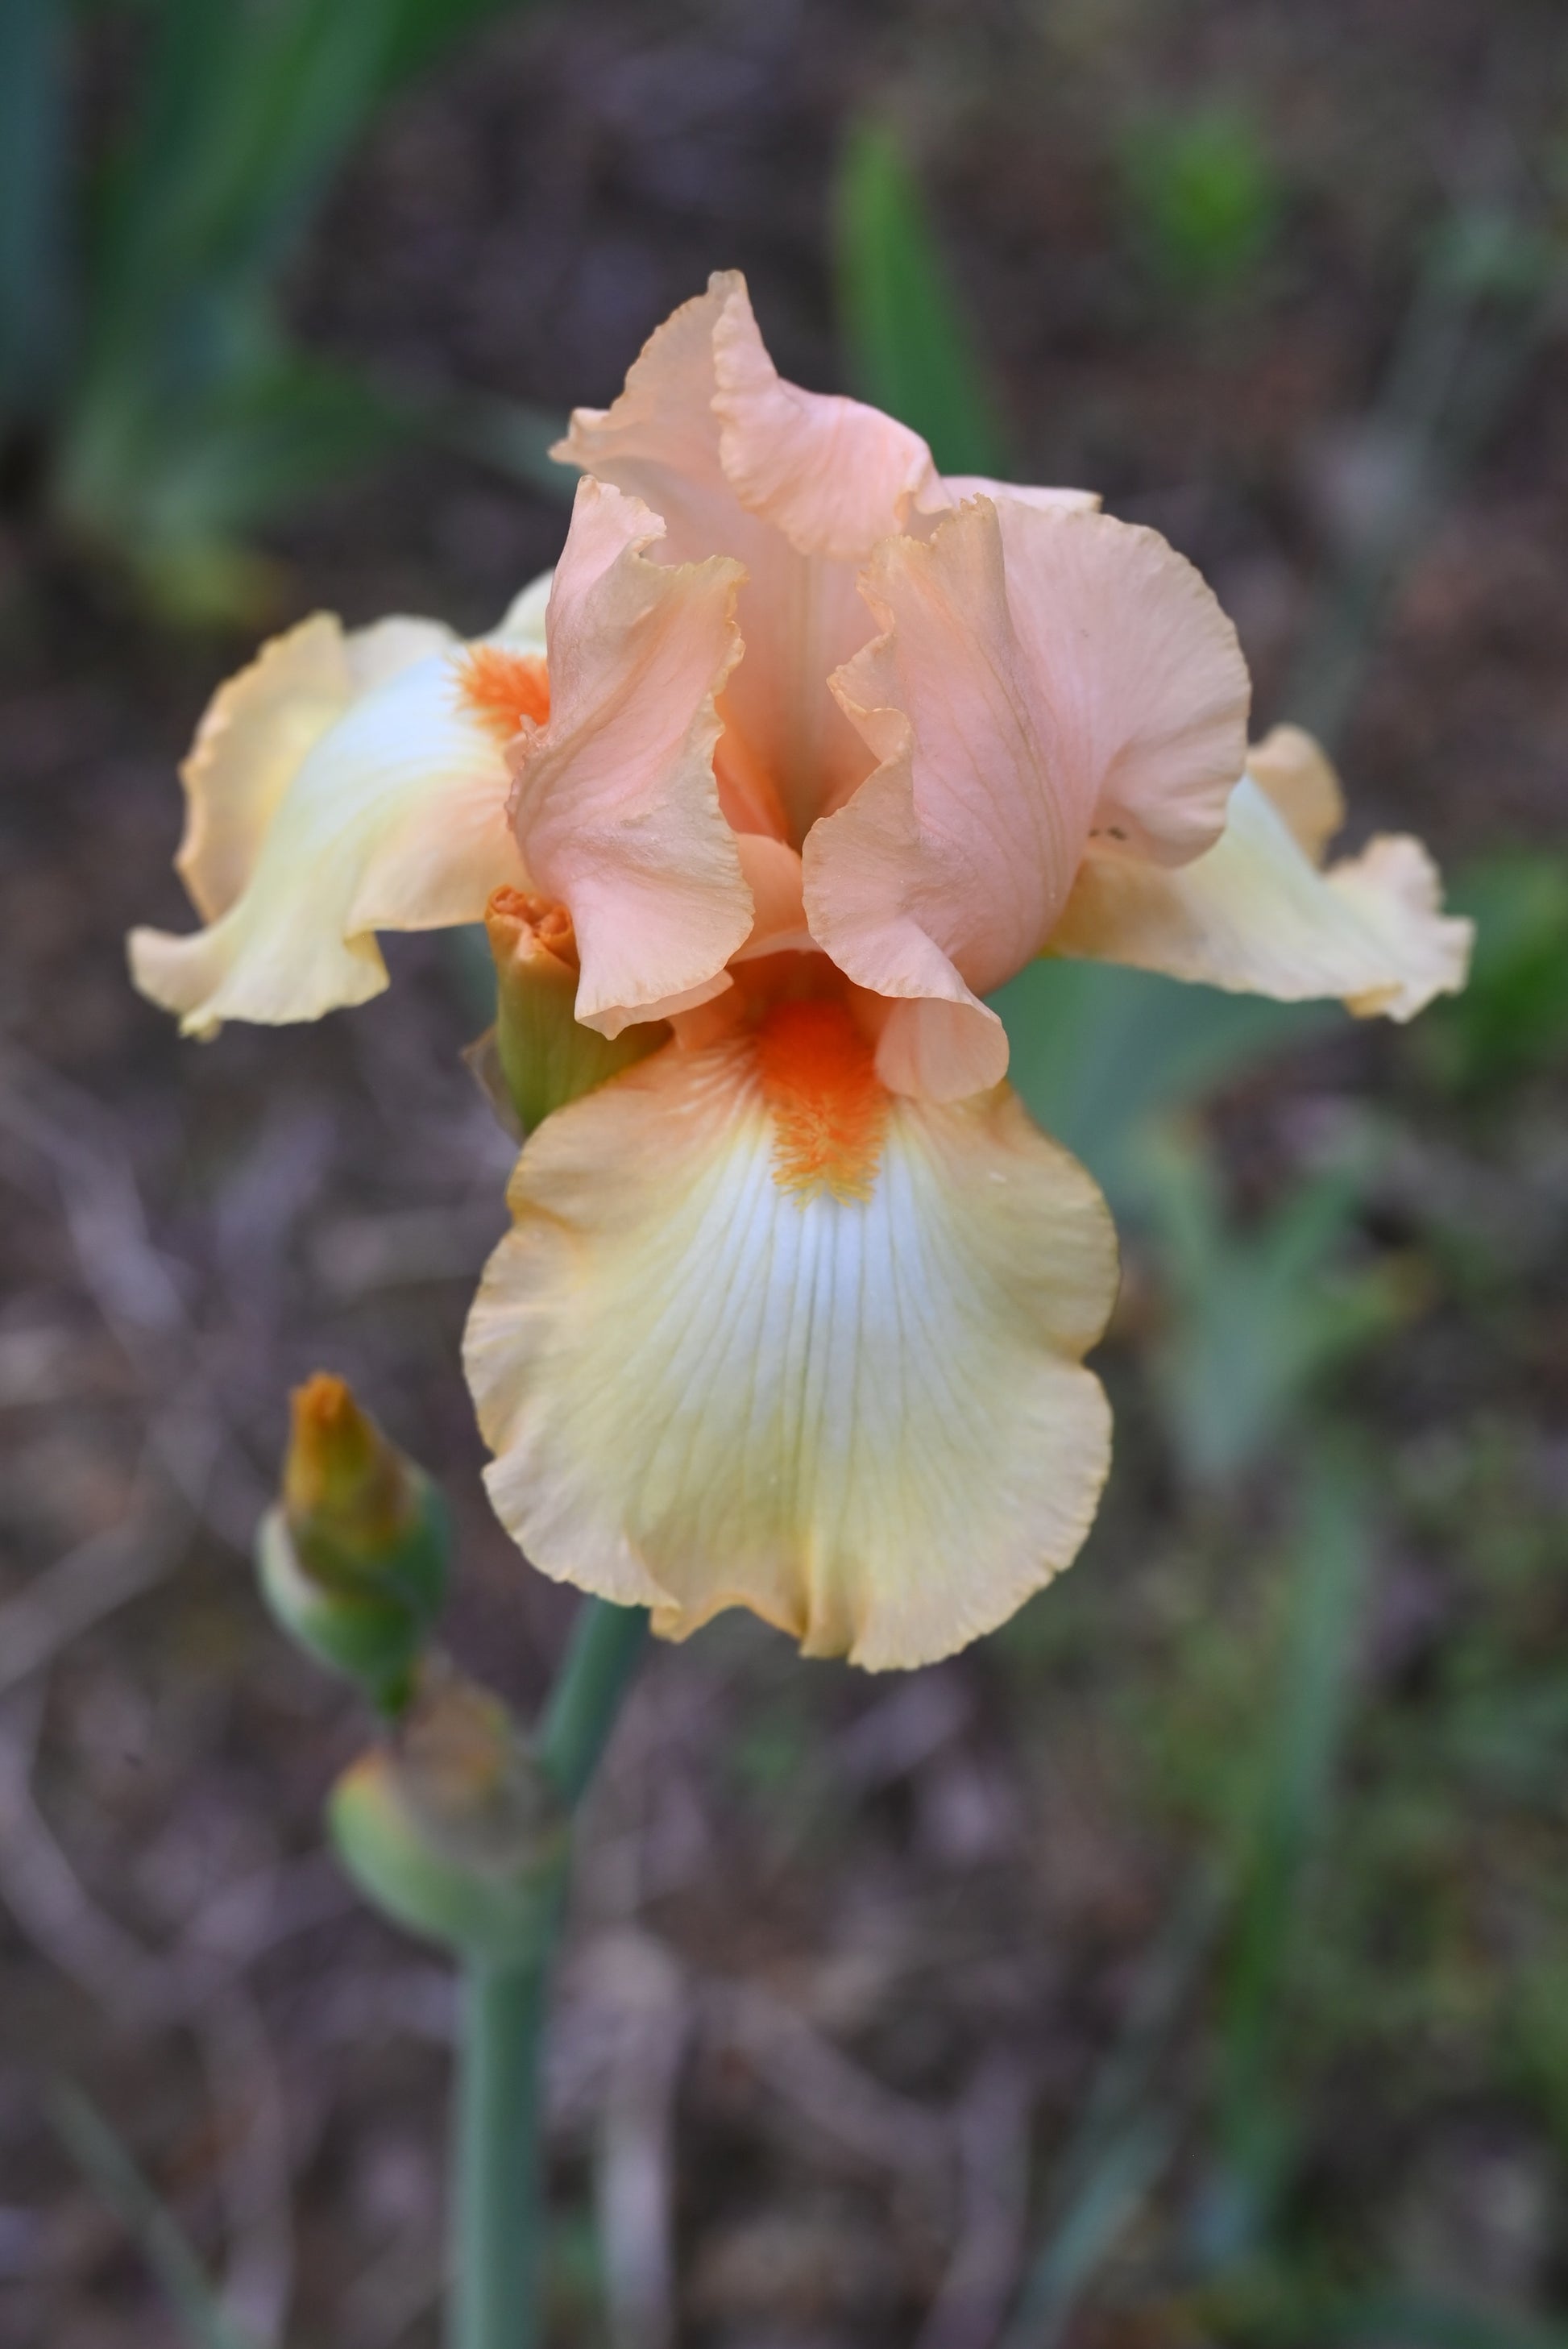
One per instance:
(452, 1829)
(353, 1558)
(538, 1056)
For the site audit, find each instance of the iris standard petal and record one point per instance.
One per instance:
(1041, 670)
(832, 473)
(796, 486)
(1255, 915)
(720, 1368)
(615, 803)
(957, 488)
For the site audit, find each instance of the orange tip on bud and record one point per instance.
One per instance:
(353, 1559)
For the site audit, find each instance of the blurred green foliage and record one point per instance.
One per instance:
(1100, 1053)
(909, 347)
(1370, 1748)
(107, 2167)
(141, 343)
(1285, 1816)
(1201, 198)
(1257, 1318)
(1513, 1016)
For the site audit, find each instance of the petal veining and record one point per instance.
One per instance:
(711, 1383)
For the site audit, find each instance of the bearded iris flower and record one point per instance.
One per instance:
(800, 753)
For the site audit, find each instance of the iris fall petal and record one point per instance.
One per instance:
(341, 784)
(863, 1417)
(1256, 915)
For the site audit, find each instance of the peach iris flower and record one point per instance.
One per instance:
(816, 749)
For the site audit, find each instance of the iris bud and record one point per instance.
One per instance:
(538, 1056)
(353, 1558)
(451, 1828)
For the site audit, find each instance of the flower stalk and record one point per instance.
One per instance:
(498, 2197)
(456, 1825)
(458, 1829)
(497, 2240)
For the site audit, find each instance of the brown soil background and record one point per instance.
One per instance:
(844, 1953)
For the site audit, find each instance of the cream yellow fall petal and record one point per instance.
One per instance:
(394, 819)
(522, 625)
(254, 734)
(1255, 914)
(1293, 770)
(866, 1420)
(257, 730)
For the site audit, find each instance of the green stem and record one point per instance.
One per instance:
(606, 1642)
(497, 2235)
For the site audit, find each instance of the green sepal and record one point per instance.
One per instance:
(538, 1056)
(368, 1621)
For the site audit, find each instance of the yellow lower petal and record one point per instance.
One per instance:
(1255, 914)
(343, 783)
(394, 819)
(710, 1384)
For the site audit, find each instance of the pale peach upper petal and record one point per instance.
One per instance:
(865, 1419)
(941, 1049)
(707, 424)
(665, 441)
(832, 474)
(1255, 916)
(659, 441)
(1141, 669)
(615, 803)
(947, 866)
(1017, 700)
(774, 875)
(958, 488)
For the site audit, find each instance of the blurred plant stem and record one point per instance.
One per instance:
(497, 2184)
(1257, 2117)
(495, 2236)
(606, 1644)
(105, 2163)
